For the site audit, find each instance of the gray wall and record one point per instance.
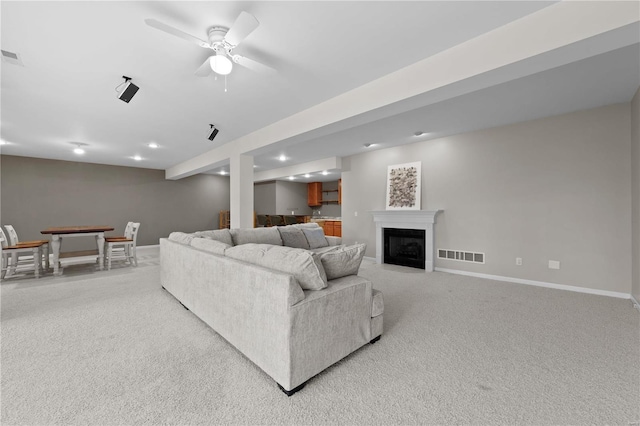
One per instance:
(38, 193)
(635, 186)
(264, 197)
(292, 196)
(557, 188)
(281, 197)
(332, 209)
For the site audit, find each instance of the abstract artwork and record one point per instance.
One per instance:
(403, 186)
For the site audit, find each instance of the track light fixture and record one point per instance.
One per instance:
(213, 132)
(130, 89)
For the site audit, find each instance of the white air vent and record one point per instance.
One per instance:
(463, 256)
(11, 58)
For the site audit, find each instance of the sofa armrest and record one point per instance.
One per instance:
(333, 241)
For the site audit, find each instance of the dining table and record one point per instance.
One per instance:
(60, 232)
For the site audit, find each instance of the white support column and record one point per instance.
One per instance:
(241, 182)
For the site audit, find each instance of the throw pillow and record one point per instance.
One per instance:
(212, 246)
(256, 236)
(315, 237)
(181, 237)
(305, 266)
(222, 235)
(293, 237)
(344, 261)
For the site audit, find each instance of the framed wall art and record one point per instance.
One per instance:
(403, 186)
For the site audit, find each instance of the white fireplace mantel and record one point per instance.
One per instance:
(406, 219)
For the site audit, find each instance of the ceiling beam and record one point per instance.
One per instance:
(532, 39)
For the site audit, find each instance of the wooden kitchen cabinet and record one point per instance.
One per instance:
(337, 229)
(329, 228)
(314, 197)
(339, 192)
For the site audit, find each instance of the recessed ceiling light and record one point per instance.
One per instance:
(292, 177)
(222, 172)
(368, 145)
(4, 142)
(324, 173)
(419, 133)
(152, 145)
(307, 175)
(282, 158)
(137, 158)
(254, 166)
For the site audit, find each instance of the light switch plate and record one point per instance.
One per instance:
(554, 264)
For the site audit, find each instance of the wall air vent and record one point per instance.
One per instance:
(11, 58)
(463, 256)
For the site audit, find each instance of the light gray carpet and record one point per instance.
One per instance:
(114, 348)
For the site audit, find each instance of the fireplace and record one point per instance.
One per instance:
(406, 220)
(404, 247)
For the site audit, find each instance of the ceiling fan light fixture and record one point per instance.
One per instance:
(221, 64)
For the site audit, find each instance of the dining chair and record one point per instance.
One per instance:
(290, 220)
(262, 220)
(276, 220)
(33, 248)
(13, 240)
(123, 247)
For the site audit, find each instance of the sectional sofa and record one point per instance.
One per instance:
(288, 298)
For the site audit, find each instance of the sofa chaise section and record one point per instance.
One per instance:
(290, 333)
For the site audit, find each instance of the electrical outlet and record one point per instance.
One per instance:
(519, 261)
(554, 264)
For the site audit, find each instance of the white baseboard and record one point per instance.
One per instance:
(371, 259)
(635, 302)
(539, 283)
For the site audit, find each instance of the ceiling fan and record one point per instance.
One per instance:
(222, 41)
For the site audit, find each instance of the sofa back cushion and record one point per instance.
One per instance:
(181, 237)
(293, 237)
(256, 236)
(222, 235)
(304, 265)
(212, 246)
(315, 237)
(343, 261)
(306, 225)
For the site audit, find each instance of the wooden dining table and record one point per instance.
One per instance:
(58, 233)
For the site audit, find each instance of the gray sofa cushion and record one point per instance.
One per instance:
(293, 237)
(305, 266)
(306, 225)
(256, 236)
(212, 246)
(181, 237)
(343, 261)
(315, 237)
(222, 235)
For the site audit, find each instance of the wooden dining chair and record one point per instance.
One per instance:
(122, 247)
(13, 240)
(34, 249)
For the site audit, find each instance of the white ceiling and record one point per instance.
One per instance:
(75, 53)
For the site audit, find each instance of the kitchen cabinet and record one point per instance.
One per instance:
(314, 197)
(339, 191)
(332, 228)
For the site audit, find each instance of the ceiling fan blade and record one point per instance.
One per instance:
(253, 65)
(205, 69)
(176, 32)
(244, 25)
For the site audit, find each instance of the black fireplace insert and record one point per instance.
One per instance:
(404, 247)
